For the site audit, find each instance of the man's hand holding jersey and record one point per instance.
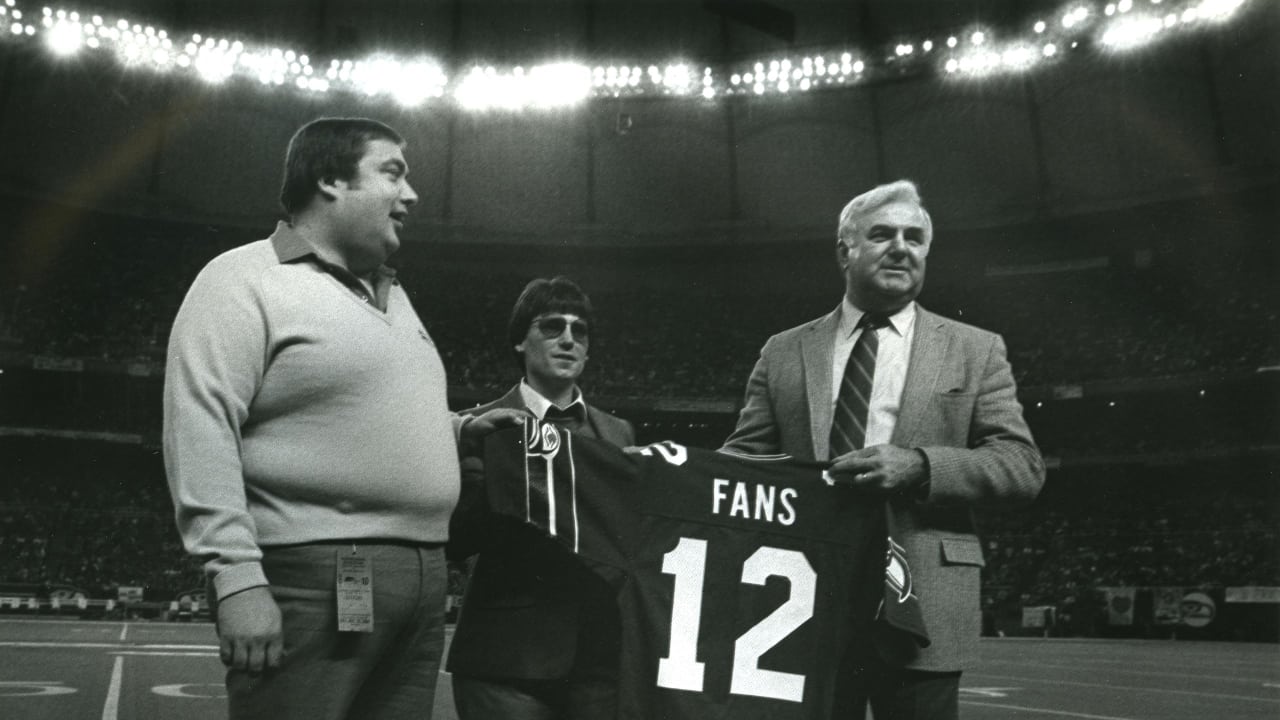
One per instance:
(475, 427)
(883, 469)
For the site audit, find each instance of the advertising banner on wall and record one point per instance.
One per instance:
(1198, 609)
(1119, 604)
(1253, 594)
(1166, 605)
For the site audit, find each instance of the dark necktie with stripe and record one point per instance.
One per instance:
(849, 425)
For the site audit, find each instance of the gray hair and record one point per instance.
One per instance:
(875, 198)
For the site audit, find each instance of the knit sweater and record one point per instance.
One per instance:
(296, 412)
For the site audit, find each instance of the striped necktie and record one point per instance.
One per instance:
(849, 426)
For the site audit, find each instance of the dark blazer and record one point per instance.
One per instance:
(959, 406)
(530, 608)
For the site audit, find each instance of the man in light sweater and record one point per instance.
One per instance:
(309, 449)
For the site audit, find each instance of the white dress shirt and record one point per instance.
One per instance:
(539, 405)
(892, 358)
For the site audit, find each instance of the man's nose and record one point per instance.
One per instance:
(408, 196)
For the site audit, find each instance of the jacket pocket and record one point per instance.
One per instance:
(962, 551)
(955, 413)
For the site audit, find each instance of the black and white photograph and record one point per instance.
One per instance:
(640, 359)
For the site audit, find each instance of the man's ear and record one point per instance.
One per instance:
(328, 187)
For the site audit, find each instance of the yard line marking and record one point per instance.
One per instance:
(1045, 711)
(990, 692)
(111, 710)
(91, 645)
(94, 623)
(165, 654)
(184, 690)
(124, 631)
(1162, 691)
(1126, 669)
(33, 687)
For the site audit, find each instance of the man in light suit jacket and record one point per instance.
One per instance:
(944, 433)
(538, 636)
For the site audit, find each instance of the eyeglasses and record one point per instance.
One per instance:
(553, 327)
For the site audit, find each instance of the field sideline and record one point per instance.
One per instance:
(73, 670)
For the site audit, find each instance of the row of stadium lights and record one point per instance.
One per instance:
(553, 85)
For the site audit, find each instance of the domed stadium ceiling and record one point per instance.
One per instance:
(507, 31)
(178, 109)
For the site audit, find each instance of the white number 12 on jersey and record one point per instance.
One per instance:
(680, 670)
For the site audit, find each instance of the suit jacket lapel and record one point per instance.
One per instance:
(930, 346)
(816, 346)
(513, 399)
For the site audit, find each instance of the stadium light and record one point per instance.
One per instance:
(1018, 57)
(65, 38)
(1218, 10)
(975, 53)
(1131, 32)
(214, 67)
(678, 78)
(480, 91)
(561, 84)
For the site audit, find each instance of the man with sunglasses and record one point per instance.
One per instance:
(539, 633)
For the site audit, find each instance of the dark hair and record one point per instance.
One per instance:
(540, 296)
(326, 148)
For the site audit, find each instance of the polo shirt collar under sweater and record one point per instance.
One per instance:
(290, 246)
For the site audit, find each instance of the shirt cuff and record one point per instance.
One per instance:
(460, 421)
(921, 491)
(236, 578)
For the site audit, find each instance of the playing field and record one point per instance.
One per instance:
(68, 670)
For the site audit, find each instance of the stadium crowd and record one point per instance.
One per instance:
(67, 518)
(90, 516)
(1124, 320)
(99, 519)
(1141, 528)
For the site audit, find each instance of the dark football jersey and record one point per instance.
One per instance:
(741, 580)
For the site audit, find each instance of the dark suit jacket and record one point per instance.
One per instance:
(959, 406)
(530, 607)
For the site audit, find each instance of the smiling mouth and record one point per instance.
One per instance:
(398, 218)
